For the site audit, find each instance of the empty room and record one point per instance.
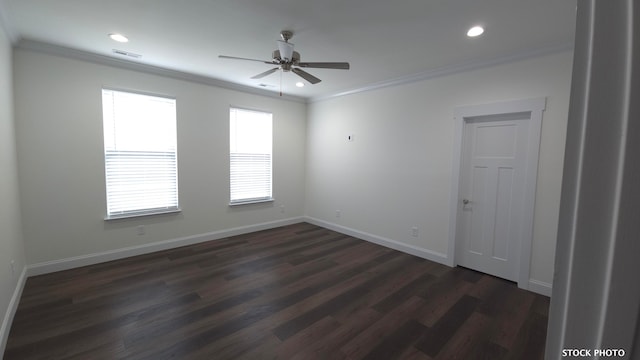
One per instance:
(318, 180)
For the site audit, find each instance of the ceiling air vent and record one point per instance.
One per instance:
(126, 53)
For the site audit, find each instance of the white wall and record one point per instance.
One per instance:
(11, 247)
(596, 293)
(396, 173)
(61, 165)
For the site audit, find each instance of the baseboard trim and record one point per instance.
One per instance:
(409, 249)
(96, 258)
(540, 287)
(11, 310)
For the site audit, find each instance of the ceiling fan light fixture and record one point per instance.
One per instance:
(286, 50)
(475, 31)
(119, 38)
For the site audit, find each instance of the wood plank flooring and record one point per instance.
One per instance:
(294, 292)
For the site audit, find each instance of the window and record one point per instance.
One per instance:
(140, 153)
(250, 156)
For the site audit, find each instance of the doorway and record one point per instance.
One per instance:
(494, 182)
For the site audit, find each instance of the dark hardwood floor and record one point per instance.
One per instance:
(295, 292)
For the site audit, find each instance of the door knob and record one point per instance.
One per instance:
(465, 201)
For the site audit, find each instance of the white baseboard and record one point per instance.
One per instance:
(536, 286)
(11, 310)
(540, 287)
(91, 259)
(409, 249)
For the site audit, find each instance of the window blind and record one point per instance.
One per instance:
(250, 156)
(140, 154)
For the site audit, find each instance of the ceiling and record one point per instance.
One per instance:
(384, 41)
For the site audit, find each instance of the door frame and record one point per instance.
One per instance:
(534, 106)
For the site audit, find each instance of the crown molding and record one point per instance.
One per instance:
(57, 50)
(450, 70)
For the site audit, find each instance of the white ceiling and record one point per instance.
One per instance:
(383, 40)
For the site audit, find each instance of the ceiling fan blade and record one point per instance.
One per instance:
(241, 58)
(325, 65)
(305, 75)
(268, 72)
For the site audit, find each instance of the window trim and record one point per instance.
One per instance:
(257, 200)
(148, 211)
(168, 211)
(252, 201)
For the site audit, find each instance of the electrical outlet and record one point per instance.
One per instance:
(140, 230)
(282, 209)
(414, 231)
(338, 214)
(12, 265)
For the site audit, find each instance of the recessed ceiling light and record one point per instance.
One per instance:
(300, 84)
(475, 31)
(119, 38)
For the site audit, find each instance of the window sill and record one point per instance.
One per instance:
(251, 201)
(130, 216)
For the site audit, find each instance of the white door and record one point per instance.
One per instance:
(492, 193)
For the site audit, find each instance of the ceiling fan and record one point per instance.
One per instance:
(287, 60)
